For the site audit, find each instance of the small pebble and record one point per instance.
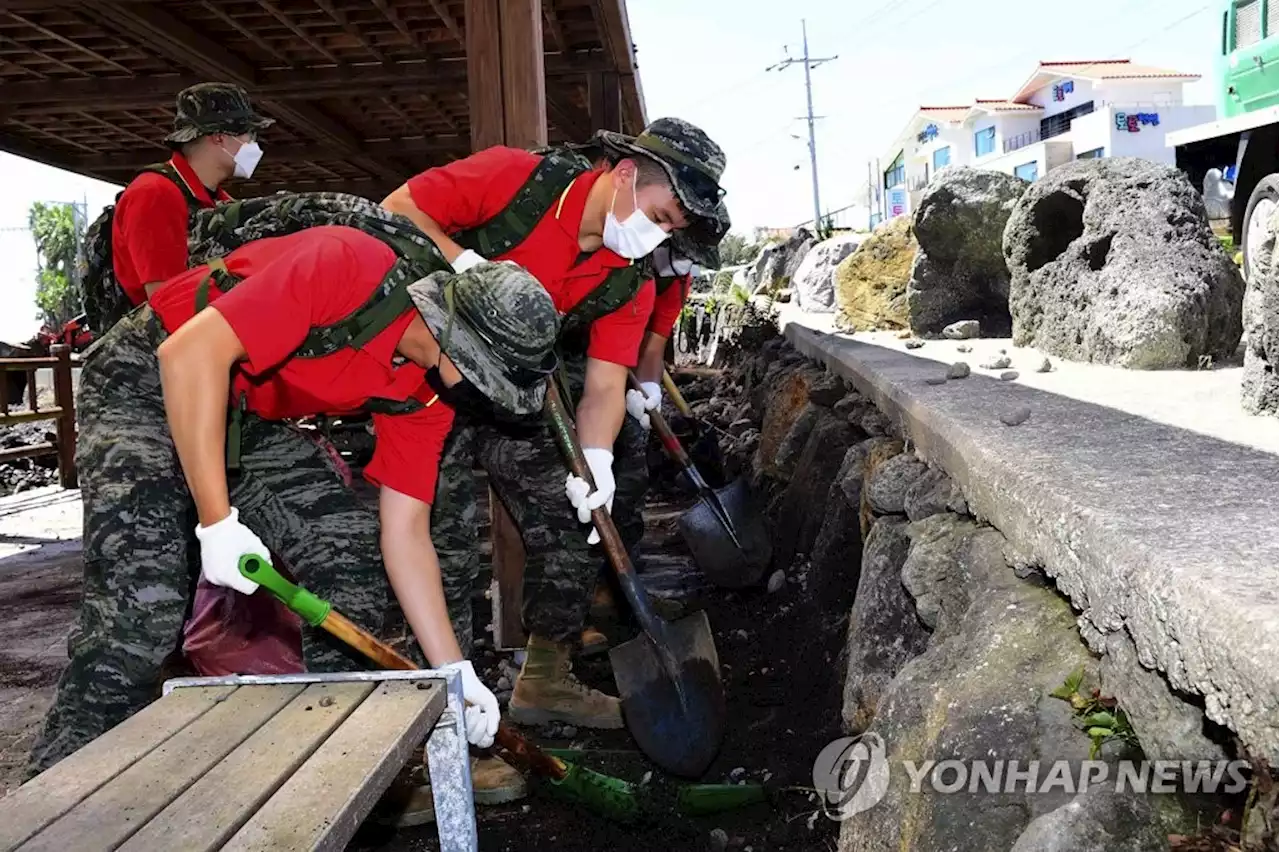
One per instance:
(958, 370)
(914, 343)
(1015, 417)
(717, 842)
(525, 809)
(568, 732)
(1046, 366)
(776, 581)
(764, 670)
(813, 818)
(504, 682)
(741, 635)
(1000, 363)
(1008, 375)
(647, 777)
(737, 772)
(936, 380)
(327, 701)
(962, 348)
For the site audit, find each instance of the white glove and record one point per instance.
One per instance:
(466, 260)
(641, 402)
(221, 546)
(580, 495)
(481, 716)
(638, 407)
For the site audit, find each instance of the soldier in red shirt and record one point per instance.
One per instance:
(287, 334)
(214, 139)
(579, 233)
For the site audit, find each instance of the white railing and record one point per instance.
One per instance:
(1022, 140)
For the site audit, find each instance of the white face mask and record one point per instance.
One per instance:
(637, 236)
(246, 159)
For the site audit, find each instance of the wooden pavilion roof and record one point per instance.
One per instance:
(365, 92)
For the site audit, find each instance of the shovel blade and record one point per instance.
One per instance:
(721, 560)
(673, 703)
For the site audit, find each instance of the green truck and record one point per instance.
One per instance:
(1234, 159)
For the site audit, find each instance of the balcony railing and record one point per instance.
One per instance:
(1022, 140)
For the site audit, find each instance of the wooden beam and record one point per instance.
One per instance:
(167, 34)
(299, 84)
(449, 23)
(298, 31)
(615, 33)
(553, 26)
(68, 42)
(26, 48)
(524, 83)
(567, 119)
(350, 29)
(506, 561)
(484, 74)
(383, 148)
(396, 21)
(247, 32)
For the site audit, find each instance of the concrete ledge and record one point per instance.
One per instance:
(1154, 532)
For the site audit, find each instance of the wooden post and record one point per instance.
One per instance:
(605, 97)
(484, 74)
(507, 85)
(524, 82)
(506, 80)
(507, 561)
(64, 398)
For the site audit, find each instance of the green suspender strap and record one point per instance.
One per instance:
(540, 193)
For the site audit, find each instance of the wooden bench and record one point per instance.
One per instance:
(290, 762)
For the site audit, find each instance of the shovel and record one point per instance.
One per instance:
(705, 444)
(731, 548)
(608, 796)
(668, 677)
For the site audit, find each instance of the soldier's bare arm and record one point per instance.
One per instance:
(195, 374)
(603, 403)
(401, 201)
(414, 572)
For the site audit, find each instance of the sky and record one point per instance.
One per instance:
(705, 61)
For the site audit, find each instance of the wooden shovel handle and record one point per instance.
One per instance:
(674, 392)
(524, 753)
(567, 437)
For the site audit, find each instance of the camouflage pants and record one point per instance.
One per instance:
(527, 471)
(138, 579)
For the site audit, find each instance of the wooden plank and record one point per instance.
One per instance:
(325, 801)
(61, 787)
(524, 84)
(31, 416)
(484, 74)
(214, 808)
(112, 814)
(605, 96)
(507, 563)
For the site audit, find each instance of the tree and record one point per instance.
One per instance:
(57, 235)
(734, 250)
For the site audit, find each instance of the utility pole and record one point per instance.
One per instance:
(809, 63)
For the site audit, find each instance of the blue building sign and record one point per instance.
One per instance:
(930, 132)
(1061, 91)
(1133, 121)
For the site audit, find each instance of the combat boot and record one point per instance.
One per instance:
(408, 801)
(547, 691)
(593, 643)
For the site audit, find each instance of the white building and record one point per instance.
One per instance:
(1065, 111)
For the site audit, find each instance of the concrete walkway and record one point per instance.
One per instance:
(1147, 496)
(40, 573)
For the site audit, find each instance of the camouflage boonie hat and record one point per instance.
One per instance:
(700, 242)
(692, 161)
(207, 108)
(498, 326)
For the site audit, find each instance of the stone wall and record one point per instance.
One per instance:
(955, 645)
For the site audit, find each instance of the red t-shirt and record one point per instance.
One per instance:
(471, 191)
(306, 280)
(149, 228)
(668, 304)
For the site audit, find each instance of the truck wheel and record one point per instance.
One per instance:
(1262, 205)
